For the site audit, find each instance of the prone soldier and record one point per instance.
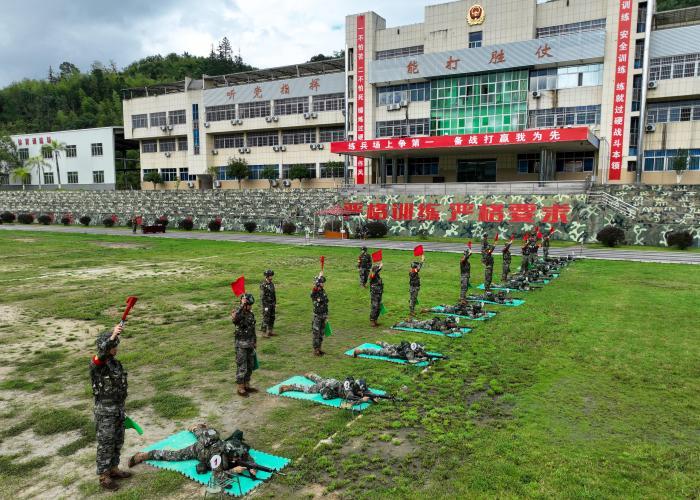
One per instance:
(412, 352)
(443, 325)
(472, 310)
(320, 303)
(268, 297)
(246, 342)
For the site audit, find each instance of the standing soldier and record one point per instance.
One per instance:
(364, 264)
(376, 289)
(268, 297)
(524, 251)
(534, 247)
(109, 387)
(545, 244)
(506, 261)
(488, 267)
(465, 269)
(484, 247)
(414, 284)
(320, 302)
(246, 342)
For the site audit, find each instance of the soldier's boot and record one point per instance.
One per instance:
(373, 322)
(271, 333)
(285, 388)
(354, 353)
(248, 388)
(137, 459)
(241, 391)
(115, 473)
(318, 351)
(107, 482)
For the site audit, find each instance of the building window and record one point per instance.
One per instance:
(331, 134)
(394, 94)
(220, 113)
(678, 111)
(71, 151)
(579, 161)
(96, 149)
(663, 159)
(147, 171)
(563, 29)
(332, 172)
(299, 136)
(559, 117)
(638, 54)
(168, 174)
(423, 166)
(195, 128)
(177, 117)
(632, 166)
(23, 153)
(260, 139)
(167, 145)
(400, 167)
(139, 121)
(402, 52)
(328, 102)
(158, 119)
(642, 17)
(484, 103)
(184, 174)
(182, 143)
(46, 153)
(529, 163)
(98, 176)
(149, 146)
(311, 167)
(72, 177)
(579, 76)
(666, 68)
(398, 128)
(475, 39)
(543, 79)
(229, 141)
(48, 177)
(292, 106)
(254, 109)
(634, 135)
(636, 92)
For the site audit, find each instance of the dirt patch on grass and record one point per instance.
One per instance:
(25, 240)
(398, 445)
(10, 313)
(29, 445)
(203, 306)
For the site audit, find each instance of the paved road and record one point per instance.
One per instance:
(669, 257)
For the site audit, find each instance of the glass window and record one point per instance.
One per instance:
(579, 161)
(423, 166)
(563, 29)
(682, 66)
(402, 52)
(328, 102)
(185, 174)
(333, 172)
(149, 146)
(98, 176)
(638, 54)
(399, 128)
(400, 167)
(167, 145)
(220, 113)
(72, 177)
(158, 119)
(634, 135)
(475, 39)
(259, 139)
(331, 134)
(229, 141)
(641, 17)
(577, 115)
(23, 153)
(71, 151)
(168, 174)
(182, 143)
(292, 106)
(48, 177)
(673, 111)
(254, 109)
(96, 149)
(177, 117)
(299, 136)
(46, 153)
(310, 166)
(529, 163)
(394, 94)
(257, 170)
(147, 171)
(139, 121)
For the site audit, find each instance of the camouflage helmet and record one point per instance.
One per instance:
(102, 342)
(320, 280)
(415, 265)
(376, 268)
(269, 272)
(361, 385)
(248, 298)
(364, 249)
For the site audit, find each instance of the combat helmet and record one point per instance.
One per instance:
(249, 298)
(102, 342)
(269, 272)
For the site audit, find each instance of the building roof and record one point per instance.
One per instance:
(677, 17)
(118, 128)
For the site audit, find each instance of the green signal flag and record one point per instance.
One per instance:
(328, 331)
(130, 424)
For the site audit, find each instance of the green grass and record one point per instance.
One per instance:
(588, 390)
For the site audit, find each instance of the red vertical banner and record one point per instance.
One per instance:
(360, 96)
(624, 41)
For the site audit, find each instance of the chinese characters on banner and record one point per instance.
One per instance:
(360, 96)
(34, 140)
(459, 141)
(620, 100)
(515, 213)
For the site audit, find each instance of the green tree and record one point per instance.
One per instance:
(299, 172)
(270, 173)
(237, 168)
(153, 177)
(337, 54)
(23, 174)
(679, 163)
(9, 156)
(56, 148)
(36, 163)
(334, 169)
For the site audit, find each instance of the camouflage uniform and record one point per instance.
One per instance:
(412, 353)
(473, 310)
(318, 325)
(488, 267)
(414, 285)
(525, 250)
(545, 246)
(506, 263)
(444, 325)
(500, 297)
(484, 247)
(246, 341)
(268, 297)
(465, 273)
(364, 264)
(109, 388)
(376, 290)
(328, 388)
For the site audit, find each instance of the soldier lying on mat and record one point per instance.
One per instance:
(443, 325)
(472, 310)
(233, 452)
(518, 282)
(500, 297)
(350, 389)
(412, 352)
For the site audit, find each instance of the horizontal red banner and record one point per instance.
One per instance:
(534, 136)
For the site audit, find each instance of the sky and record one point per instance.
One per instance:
(36, 34)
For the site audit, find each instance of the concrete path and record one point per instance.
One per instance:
(641, 255)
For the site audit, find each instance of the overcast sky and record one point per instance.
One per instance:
(37, 33)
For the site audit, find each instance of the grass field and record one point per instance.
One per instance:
(588, 390)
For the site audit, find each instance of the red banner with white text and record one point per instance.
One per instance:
(360, 96)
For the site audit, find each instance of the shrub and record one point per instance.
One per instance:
(376, 229)
(7, 217)
(250, 226)
(162, 221)
(289, 227)
(186, 224)
(67, 220)
(679, 239)
(85, 220)
(333, 225)
(611, 236)
(214, 225)
(108, 222)
(44, 219)
(25, 218)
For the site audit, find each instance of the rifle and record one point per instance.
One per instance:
(251, 466)
(375, 396)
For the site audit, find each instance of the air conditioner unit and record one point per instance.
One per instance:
(215, 151)
(268, 119)
(241, 150)
(307, 116)
(190, 184)
(283, 148)
(286, 183)
(275, 118)
(404, 103)
(247, 150)
(275, 148)
(170, 127)
(650, 128)
(536, 94)
(162, 128)
(217, 184)
(234, 122)
(319, 146)
(393, 107)
(652, 85)
(312, 146)
(206, 124)
(167, 154)
(239, 121)
(314, 114)
(275, 183)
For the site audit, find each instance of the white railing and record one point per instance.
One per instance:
(473, 188)
(610, 201)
